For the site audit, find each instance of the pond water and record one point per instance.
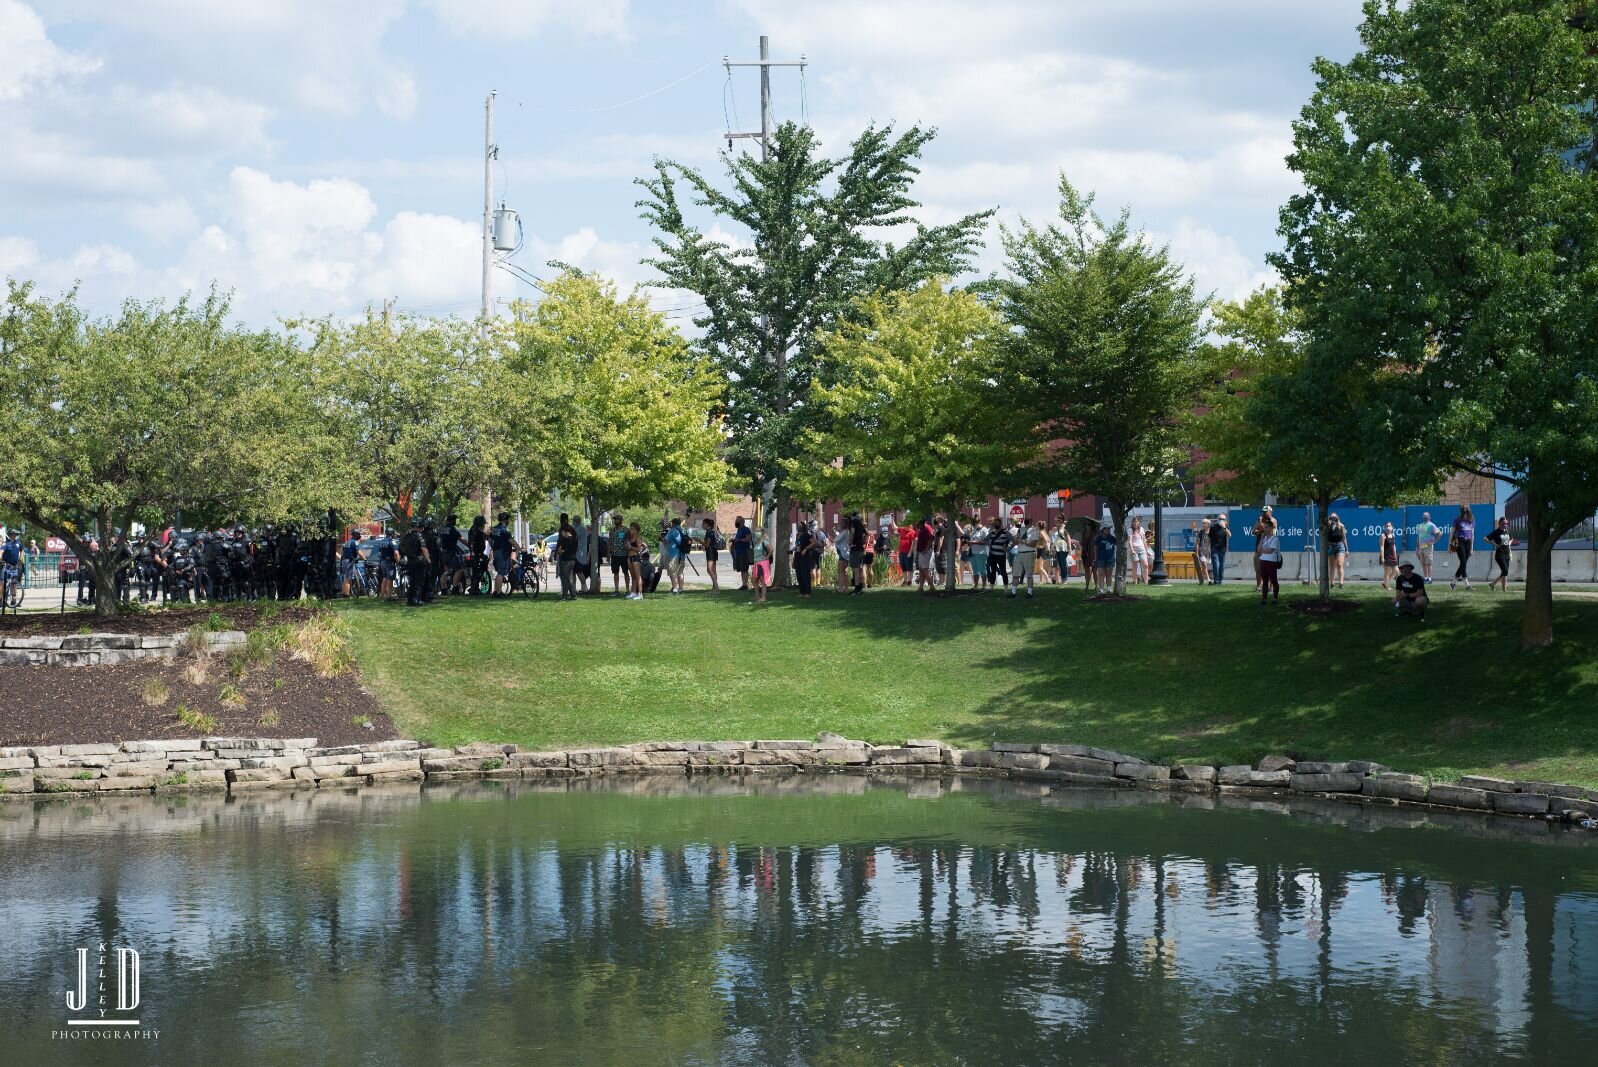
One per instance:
(823, 920)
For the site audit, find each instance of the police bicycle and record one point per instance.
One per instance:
(14, 581)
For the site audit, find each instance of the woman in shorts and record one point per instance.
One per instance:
(1137, 552)
(1336, 549)
(759, 564)
(712, 553)
(637, 553)
(977, 538)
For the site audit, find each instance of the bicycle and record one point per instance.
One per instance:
(12, 579)
(525, 578)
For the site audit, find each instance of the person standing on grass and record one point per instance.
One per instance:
(1265, 521)
(806, 554)
(1428, 535)
(1220, 537)
(999, 541)
(1064, 548)
(1026, 556)
(713, 545)
(566, 557)
(500, 542)
(1389, 554)
(1137, 551)
(1499, 537)
(979, 553)
(1461, 538)
(581, 571)
(926, 537)
(1336, 550)
(907, 555)
(962, 551)
(637, 553)
(1201, 553)
(873, 546)
(676, 555)
(1409, 592)
(1104, 547)
(1270, 560)
(740, 550)
(620, 572)
(759, 564)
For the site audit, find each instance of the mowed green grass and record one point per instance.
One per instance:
(1188, 673)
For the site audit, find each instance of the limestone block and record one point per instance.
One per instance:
(395, 766)
(1334, 782)
(144, 781)
(1008, 746)
(1082, 765)
(1027, 761)
(15, 763)
(1142, 772)
(1521, 803)
(1277, 763)
(1365, 766)
(87, 750)
(559, 759)
(1194, 772)
(802, 745)
(135, 770)
(843, 755)
(1393, 788)
(1460, 796)
(482, 748)
(1318, 767)
(1552, 789)
(1242, 774)
(1492, 785)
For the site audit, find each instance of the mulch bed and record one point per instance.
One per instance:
(154, 622)
(1321, 609)
(78, 705)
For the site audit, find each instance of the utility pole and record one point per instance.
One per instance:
(778, 353)
(490, 153)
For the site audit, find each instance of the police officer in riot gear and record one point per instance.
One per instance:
(413, 549)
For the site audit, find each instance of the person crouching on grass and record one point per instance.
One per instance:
(1410, 597)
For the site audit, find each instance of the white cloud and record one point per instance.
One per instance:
(191, 116)
(164, 221)
(27, 56)
(18, 256)
(526, 18)
(1216, 261)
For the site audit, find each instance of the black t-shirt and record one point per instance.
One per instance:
(1335, 534)
(566, 545)
(1409, 583)
(476, 541)
(1500, 538)
(411, 545)
(1219, 536)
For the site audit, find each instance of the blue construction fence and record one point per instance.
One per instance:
(1296, 526)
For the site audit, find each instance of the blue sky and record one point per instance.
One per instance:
(317, 156)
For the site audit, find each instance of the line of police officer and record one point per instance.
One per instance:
(227, 565)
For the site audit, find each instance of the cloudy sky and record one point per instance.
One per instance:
(318, 156)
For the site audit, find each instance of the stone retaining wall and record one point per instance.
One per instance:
(92, 650)
(241, 764)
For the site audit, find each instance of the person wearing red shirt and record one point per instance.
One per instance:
(924, 537)
(907, 559)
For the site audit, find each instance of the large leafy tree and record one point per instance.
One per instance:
(1450, 224)
(1285, 413)
(157, 410)
(914, 410)
(812, 237)
(634, 403)
(423, 405)
(1105, 358)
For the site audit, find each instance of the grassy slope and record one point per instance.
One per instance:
(1193, 673)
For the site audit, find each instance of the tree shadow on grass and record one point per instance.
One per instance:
(1230, 681)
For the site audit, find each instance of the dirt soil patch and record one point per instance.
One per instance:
(155, 623)
(139, 701)
(1320, 609)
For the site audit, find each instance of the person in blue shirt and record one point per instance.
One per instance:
(503, 545)
(678, 544)
(348, 556)
(11, 560)
(1104, 560)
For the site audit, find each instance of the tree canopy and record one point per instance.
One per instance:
(913, 410)
(812, 236)
(1450, 223)
(1105, 359)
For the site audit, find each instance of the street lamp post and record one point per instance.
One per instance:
(1157, 574)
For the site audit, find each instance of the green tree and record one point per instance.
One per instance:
(817, 241)
(914, 410)
(1284, 415)
(157, 410)
(1105, 359)
(636, 403)
(1450, 223)
(423, 405)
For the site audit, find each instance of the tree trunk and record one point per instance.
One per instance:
(951, 551)
(1118, 518)
(594, 577)
(1537, 625)
(782, 539)
(1323, 503)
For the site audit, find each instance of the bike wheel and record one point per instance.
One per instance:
(13, 593)
(530, 583)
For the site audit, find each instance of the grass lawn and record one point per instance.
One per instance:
(1196, 673)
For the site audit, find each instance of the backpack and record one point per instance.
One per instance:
(411, 546)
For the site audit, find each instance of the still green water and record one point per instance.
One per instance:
(799, 921)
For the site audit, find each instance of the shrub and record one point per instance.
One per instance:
(85, 629)
(493, 763)
(323, 642)
(83, 776)
(215, 623)
(198, 721)
(268, 719)
(361, 720)
(231, 696)
(196, 641)
(180, 778)
(154, 691)
(267, 610)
